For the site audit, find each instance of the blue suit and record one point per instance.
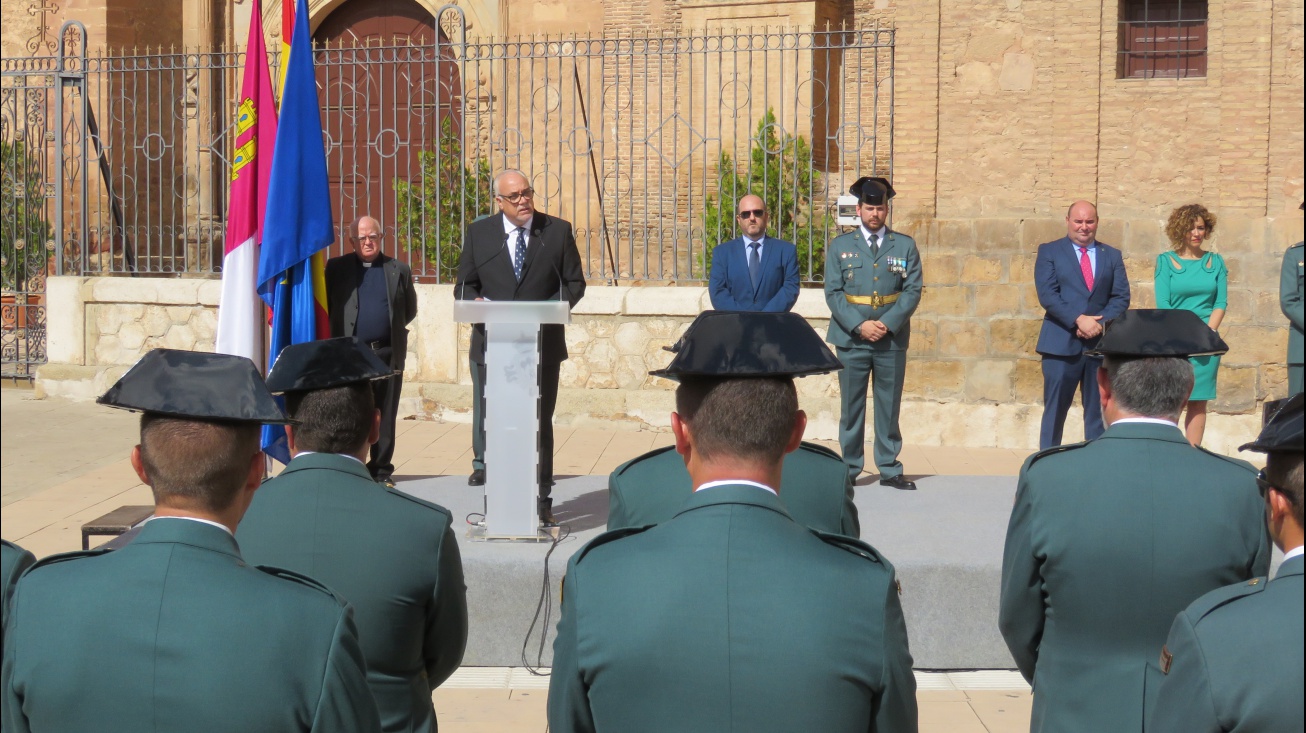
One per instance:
(777, 284)
(1065, 297)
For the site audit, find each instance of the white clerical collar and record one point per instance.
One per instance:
(222, 527)
(368, 264)
(313, 452)
(1152, 420)
(1294, 552)
(735, 482)
(509, 227)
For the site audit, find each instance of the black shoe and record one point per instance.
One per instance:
(477, 478)
(387, 481)
(545, 508)
(899, 482)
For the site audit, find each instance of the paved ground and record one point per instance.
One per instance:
(65, 463)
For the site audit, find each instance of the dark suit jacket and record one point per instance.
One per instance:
(815, 488)
(1108, 541)
(393, 556)
(176, 632)
(777, 286)
(1064, 297)
(342, 277)
(552, 271)
(730, 616)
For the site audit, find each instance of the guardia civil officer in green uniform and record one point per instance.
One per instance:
(1292, 295)
(815, 487)
(1234, 658)
(13, 561)
(393, 556)
(731, 616)
(174, 631)
(1109, 539)
(872, 285)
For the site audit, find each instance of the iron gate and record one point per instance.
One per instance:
(644, 142)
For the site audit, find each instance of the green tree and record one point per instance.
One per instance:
(24, 230)
(780, 172)
(435, 210)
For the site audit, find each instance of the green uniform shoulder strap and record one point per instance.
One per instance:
(607, 537)
(848, 544)
(1202, 607)
(418, 501)
(1240, 463)
(1051, 451)
(1299, 244)
(820, 450)
(301, 579)
(66, 556)
(640, 458)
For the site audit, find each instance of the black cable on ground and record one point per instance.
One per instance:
(545, 605)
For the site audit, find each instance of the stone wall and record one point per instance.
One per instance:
(973, 379)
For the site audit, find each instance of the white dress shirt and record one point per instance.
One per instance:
(222, 527)
(735, 482)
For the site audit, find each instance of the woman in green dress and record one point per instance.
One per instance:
(1190, 277)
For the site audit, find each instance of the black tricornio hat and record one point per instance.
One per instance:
(192, 384)
(1283, 433)
(734, 344)
(323, 364)
(1159, 332)
(872, 191)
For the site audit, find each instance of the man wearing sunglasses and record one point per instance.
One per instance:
(754, 272)
(1233, 661)
(519, 254)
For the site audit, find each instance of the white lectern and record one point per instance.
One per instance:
(512, 408)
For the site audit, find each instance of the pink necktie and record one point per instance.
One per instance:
(1086, 267)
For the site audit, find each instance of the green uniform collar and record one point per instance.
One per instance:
(1290, 567)
(164, 530)
(332, 461)
(737, 494)
(1152, 431)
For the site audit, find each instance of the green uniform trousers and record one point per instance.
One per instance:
(884, 371)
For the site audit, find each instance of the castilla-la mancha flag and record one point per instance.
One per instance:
(241, 313)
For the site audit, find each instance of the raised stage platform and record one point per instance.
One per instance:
(945, 540)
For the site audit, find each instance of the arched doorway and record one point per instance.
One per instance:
(388, 82)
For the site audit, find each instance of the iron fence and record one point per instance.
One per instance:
(644, 142)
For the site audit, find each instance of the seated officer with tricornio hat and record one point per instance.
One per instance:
(1109, 539)
(393, 556)
(814, 487)
(731, 615)
(175, 631)
(1233, 660)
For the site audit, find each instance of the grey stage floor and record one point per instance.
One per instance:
(945, 540)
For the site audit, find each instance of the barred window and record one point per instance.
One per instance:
(1162, 39)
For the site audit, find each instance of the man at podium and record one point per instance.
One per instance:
(519, 254)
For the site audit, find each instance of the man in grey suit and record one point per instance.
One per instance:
(371, 297)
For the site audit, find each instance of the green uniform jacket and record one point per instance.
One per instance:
(1109, 540)
(815, 489)
(1291, 299)
(1235, 660)
(174, 632)
(13, 561)
(851, 269)
(730, 617)
(392, 556)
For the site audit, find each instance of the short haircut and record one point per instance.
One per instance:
(1071, 208)
(495, 190)
(1156, 386)
(749, 419)
(197, 462)
(1284, 472)
(353, 226)
(335, 420)
(1181, 223)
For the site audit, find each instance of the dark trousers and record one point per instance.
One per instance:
(884, 372)
(1062, 375)
(548, 381)
(386, 392)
